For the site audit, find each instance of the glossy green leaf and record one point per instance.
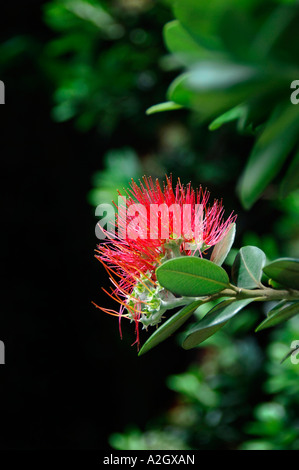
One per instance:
(248, 266)
(269, 153)
(285, 271)
(213, 321)
(277, 307)
(192, 277)
(279, 316)
(161, 107)
(169, 327)
(222, 248)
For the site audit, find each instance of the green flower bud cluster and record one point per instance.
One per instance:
(148, 299)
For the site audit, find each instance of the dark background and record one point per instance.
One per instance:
(68, 381)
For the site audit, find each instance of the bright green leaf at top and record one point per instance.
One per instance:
(192, 277)
(269, 153)
(285, 271)
(248, 266)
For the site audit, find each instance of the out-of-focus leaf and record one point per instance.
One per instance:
(195, 16)
(15, 48)
(247, 267)
(213, 321)
(222, 248)
(212, 87)
(192, 277)
(67, 14)
(279, 316)
(220, 75)
(228, 116)
(182, 45)
(169, 327)
(256, 111)
(237, 30)
(278, 27)
(285, 271)
(161, 107)
(120, 165)
(202, 19)
(269, 153)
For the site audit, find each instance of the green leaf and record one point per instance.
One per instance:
(279, 316)
(231, 115)
(291, 179)
(192, 277)
(269, 153)
(213, 88)
(214, 75)
(275, 284)
(285, 271)
(281, 304)
(222, 248)
(182, 45)
(161, 107)
(169, 327)
(199, 20)
(237, 30)
(213, 321)
(247, 267)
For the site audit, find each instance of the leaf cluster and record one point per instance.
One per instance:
(202, 281)
(241, 64)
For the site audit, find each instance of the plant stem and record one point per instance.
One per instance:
(237, 293)
(263, 294)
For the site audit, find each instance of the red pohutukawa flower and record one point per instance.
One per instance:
(152, 226)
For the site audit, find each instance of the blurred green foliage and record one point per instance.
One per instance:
(119, 167)
(240, 60)
(103, 61)
(237, 395)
